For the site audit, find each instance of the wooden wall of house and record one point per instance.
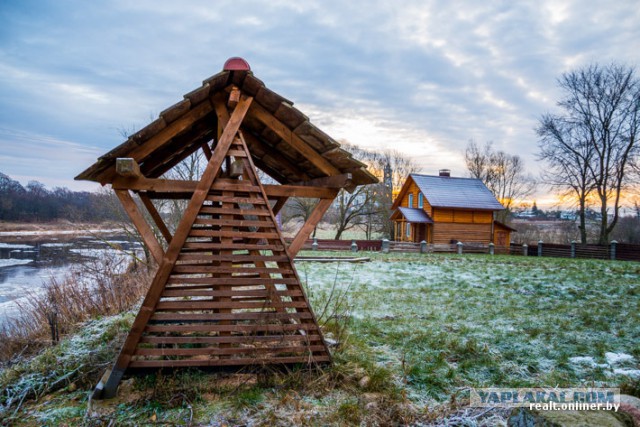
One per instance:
(413, 189)
(501, 236)
(463, 225)
(445, 232)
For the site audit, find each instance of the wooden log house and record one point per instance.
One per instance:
(226, 292)
(444, 209)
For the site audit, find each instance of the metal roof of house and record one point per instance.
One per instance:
(451, 192)
(415, 215)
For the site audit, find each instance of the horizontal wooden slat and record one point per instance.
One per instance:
(210, 305)
(226, 362)
(232, 246)
(230, 339)
(238, 315)
(253, 293)
(209, 281)
(196, 269)
(245, 234)
(215, 351)
(236, 153)
(234, 258)
(234, 222)
(256, 328)
(234, 211)
(232, 199)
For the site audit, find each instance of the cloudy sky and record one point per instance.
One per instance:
(423, 77)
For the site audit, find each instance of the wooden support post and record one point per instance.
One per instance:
(280, 202)
(140, 223)
(315, 217)
(155, 215)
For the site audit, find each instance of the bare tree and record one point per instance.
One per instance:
(369, 206)
(601, 107)
(503, 174)
(567, 156)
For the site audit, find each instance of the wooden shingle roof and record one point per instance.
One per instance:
(281, 139)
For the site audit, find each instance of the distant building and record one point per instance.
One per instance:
(445, 209)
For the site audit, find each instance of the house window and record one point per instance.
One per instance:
(410, 200)
(420, 201)
(408, 229)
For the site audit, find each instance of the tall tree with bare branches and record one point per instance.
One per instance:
(504, 174)
(601, 113)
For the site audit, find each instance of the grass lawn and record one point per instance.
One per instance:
(415, 332)
(444, 323)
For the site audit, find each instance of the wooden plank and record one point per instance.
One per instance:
(233, 246)
(254, 293)
(180, 236)
(233, 222)
(234, 199)
(214, 351)
(227, 362)
(273, 191)
(234, 211)
(148, 237)
(303, 234)
(155, 215)
(237, 315)
(280, 202)
(165, 135)
(252, 328)
(209, 281)
(199, 268)
(338, 181)
(293, 140)
(232, 233)
(230, 339)
(232, 257)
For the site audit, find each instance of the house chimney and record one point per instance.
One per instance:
(445, 172)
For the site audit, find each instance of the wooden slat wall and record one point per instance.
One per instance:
(233, 296)
(444, 232)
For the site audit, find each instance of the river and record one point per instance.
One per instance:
(26, 264)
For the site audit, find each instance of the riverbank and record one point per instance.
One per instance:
(35, 231)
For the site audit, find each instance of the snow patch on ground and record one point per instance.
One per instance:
(56, 245)
(10, 262)
(633, 373)
(14, 246)
(583, 360)
(58, 232)
(618, 358)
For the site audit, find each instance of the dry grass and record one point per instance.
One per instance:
(96, 288)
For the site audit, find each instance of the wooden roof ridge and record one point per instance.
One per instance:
(282, 140)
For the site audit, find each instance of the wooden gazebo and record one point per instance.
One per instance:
(226, 292)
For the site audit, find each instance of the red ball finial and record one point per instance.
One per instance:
(236, 64)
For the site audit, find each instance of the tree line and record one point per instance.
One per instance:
(35, 203)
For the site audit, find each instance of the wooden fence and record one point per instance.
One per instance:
(617, 251)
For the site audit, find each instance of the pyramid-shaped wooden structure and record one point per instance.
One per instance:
(226, 292)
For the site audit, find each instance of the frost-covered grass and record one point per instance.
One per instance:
(478, 321)
(415, 332)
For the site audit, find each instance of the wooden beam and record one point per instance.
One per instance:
(280, 202)
(176, 127)
(315, 217)
(171, 256)
(234, 97)
(155, 215)
(336, 181)
(128, 167)
(300, 191)
(148, 237)
(173, 186)
(293, 140)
